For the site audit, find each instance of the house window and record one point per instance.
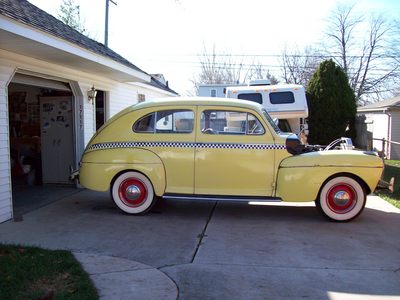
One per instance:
(141, 97)
(100, 105)
(213, 93)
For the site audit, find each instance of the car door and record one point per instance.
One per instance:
(235, 153)
(169, 133)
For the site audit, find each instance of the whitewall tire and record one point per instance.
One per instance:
(133, 193)
(342, 198)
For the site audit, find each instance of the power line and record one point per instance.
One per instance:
(290, 55)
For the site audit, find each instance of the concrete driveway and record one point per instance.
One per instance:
(231, 250)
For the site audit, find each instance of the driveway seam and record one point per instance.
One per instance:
(295, 268)
(202, 234)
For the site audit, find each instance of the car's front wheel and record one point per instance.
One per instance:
(133, 193)
(342, 199)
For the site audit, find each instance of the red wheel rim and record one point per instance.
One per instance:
(341, 198)
(132, 192)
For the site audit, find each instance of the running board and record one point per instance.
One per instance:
(221, 198)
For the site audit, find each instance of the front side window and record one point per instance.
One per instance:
(230, 122)
(166, 121)
(271, 121)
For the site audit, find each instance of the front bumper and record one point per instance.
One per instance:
(74, 175)
(384, 185)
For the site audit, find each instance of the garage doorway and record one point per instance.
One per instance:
(41, 135)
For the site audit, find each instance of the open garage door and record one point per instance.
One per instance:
(41, 135)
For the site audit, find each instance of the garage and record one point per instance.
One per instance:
(57, 87)
(41, 135)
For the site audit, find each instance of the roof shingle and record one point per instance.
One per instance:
(381, 105)
(27, 13)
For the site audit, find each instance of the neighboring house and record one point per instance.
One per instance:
(57, 87)
(382, 119)
(214, 90)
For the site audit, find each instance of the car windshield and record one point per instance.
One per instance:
(271, 122)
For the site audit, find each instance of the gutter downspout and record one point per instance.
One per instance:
(389, 134)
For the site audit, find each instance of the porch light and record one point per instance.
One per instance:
(92, 94)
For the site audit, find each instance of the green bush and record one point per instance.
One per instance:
(331, 102)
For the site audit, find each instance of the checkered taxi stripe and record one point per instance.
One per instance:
(114, 145)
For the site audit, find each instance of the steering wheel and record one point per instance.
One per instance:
(208, 131)
(254, 128)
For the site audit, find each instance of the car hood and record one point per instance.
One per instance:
(343, 158)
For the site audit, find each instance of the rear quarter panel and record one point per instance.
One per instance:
(99, 167)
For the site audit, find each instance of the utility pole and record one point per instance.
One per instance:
(106, 22)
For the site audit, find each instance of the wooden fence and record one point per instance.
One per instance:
(385, 144)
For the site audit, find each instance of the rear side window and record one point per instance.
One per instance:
(145, 124)
(281, 97)
(166, 121)
(255, 97)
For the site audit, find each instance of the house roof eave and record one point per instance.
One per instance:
(31, 42)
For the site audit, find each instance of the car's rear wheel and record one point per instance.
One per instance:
(341, 199)
(133, 193)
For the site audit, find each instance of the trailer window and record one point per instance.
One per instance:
(255, 97)
(281, 97)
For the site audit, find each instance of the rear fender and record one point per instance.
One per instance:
(99, 168)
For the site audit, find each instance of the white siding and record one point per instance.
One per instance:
(205, 91)
(6, 72)
(395, 135)
(378, 125)
(119, 96)
(124, 95)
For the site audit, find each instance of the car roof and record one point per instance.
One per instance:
(196, 101)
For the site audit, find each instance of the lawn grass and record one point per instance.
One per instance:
(392, 169)
(32, 273)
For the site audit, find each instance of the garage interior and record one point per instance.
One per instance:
(41, 142)
(41, 136)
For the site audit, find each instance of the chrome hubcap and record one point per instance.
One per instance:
(341, 198)
(132, 192)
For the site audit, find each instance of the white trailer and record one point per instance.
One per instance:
(285, 102)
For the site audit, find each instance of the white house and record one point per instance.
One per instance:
(214, 90)
(56, 87)
(383, 121)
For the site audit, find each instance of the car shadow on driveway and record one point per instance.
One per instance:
(230, 250)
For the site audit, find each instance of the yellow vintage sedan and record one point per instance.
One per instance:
(220, 149)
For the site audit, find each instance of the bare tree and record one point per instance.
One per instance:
(259, 71)
(299, 65)
(70, 14)
(395, 51)
(363, 57)
(223, 68)
(217, 69)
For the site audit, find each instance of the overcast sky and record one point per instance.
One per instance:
(166, 36)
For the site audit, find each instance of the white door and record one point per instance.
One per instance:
(56, 125)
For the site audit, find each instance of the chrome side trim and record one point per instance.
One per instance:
(113, 145)
(220, 198)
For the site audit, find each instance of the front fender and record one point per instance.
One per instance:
(301, 177)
